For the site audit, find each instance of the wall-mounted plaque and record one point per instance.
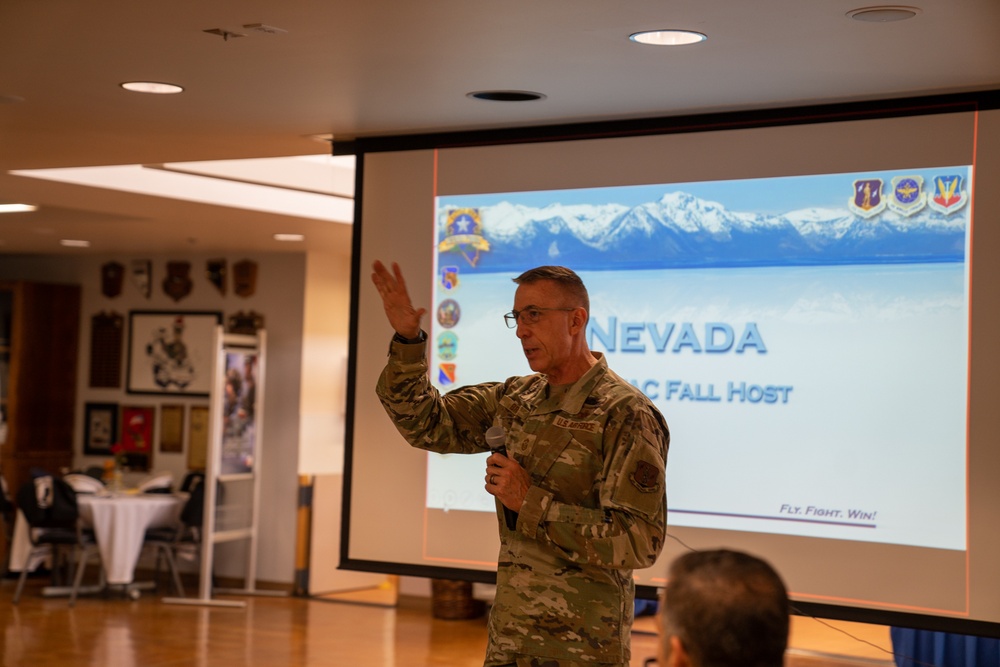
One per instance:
(106, 336)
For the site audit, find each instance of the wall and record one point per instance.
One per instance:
(279, 297)
(324, 371)
(321, 447)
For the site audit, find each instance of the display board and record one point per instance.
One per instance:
(232, 481)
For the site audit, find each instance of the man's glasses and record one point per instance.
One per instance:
(529, 315)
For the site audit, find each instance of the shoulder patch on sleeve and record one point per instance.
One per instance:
(645, 477)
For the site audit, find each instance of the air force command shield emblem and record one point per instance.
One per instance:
(907, 195)
(867, 201)
(948, 194)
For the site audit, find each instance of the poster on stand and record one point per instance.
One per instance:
(239, 412)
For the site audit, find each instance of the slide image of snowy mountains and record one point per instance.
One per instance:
(680, 230)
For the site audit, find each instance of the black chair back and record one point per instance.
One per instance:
(191, 480)
(193, 513)
(6, 504)
(48, 502)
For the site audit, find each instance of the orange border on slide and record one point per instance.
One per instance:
(424, 547)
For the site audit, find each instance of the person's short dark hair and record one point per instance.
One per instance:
(727, 608)
(567, 279)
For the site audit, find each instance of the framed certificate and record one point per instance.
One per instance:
(198, 432)
(172, 428)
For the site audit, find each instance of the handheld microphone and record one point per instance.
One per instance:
(496, 439)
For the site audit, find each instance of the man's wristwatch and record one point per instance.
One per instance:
(421, 337)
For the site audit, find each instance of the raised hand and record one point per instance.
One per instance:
(399, 310)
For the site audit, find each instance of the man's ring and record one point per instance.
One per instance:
(493, 479)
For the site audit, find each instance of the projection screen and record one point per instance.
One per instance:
(808, 298)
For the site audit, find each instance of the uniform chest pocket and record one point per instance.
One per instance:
(568, 467)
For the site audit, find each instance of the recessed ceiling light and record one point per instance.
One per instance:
(154, 87)
(667, 37)
(74, 243)
(17, 208)
(289, 237)
(883, 14)
(506, 95)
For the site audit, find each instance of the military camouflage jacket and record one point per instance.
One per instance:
(596, 508)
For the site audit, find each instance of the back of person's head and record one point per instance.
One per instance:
(567, 280)
(723, 608)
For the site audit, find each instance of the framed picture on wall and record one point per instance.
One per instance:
(100, 428)
(138, 425)
(171, 352)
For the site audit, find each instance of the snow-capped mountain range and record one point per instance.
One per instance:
(680, 230)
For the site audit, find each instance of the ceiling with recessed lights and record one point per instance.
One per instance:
(263, 79)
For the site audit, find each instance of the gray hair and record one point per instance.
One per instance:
(568, 282)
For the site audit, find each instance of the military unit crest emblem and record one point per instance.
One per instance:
(447, 345)
(907, 195)
(947, 194)
(448, 313)
(464, 235)
(867, 200)
(449, 278)
(446, 374)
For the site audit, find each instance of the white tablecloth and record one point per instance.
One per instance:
(119, 524)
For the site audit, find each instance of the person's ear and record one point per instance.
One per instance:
(678, 655)
(578, 320)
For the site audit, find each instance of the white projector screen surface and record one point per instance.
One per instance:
(774, 322)
(808, 305)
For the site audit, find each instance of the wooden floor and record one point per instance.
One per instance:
(114, 631)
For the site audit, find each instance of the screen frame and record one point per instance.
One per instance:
(916, 106)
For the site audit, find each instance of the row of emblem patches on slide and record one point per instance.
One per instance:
(178, 282)
(908, 195)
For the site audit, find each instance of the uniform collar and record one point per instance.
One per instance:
(571, 402)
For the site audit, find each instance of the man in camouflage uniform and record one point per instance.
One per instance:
(586, 455)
